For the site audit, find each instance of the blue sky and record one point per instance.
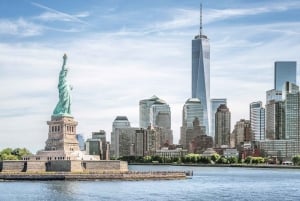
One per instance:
(120, 52)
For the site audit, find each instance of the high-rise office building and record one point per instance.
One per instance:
(119, 122)
(152, 110)
(215, 103)
(274, 120)
(196, 140)
(285, 71)
(291, 101)
(201, 73)
(222, 126)
(273, 100)
(274, 94)
(241, 133)
(257, 121)
(160, 115)
(192, 110)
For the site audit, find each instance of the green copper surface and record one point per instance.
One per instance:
(63, 107)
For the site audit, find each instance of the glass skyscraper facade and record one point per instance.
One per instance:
(291, 99)
(257, 121)
(214, 104)
(201, 74)
(156, 112)
(192, 109)
(285, 71)
(160, 115)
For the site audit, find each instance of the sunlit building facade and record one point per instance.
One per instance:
(214, 104)
(201, 74)
(257, 121)
(119, 122)
(222, 126)
(284, 71)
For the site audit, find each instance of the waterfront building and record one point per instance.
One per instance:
(227, 153)
(171, 153)
(284, 71)
(281, 149)
(257, 121)
(222, 126)
(241, 133)
(287, 135)
(119, 122)
(142, 142)
(97, 145)
(201, 72)
(215, 103)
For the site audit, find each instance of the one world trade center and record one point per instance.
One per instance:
(201, 72)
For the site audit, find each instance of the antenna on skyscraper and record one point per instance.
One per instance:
(200, 20)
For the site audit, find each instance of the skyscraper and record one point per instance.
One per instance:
(160, 114)
(273, 114)
(215, 103)
(291, 99)
(192, 110)
(119, 122)
(222, 126)
(285, 71)
(257, 121)
(201, 72)
(152, 110)
(241, 133)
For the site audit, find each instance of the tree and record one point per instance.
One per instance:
(232, 160)
(21, 152)
(215, 157)
(222, 160)
(296, 160)
(248, 160)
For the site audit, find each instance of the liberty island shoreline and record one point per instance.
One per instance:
(105, 175)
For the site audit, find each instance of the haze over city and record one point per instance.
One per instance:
(120, 52)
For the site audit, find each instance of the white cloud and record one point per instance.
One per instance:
(19, 28)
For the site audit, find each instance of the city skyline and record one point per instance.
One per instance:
(107, 41)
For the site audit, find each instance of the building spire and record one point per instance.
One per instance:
(200, 34)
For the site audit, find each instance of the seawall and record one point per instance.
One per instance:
(93, 176)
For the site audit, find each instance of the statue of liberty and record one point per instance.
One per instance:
(63, 107)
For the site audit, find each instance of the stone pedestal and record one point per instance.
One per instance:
(62, 134)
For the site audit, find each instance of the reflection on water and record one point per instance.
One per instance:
(208, 183)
